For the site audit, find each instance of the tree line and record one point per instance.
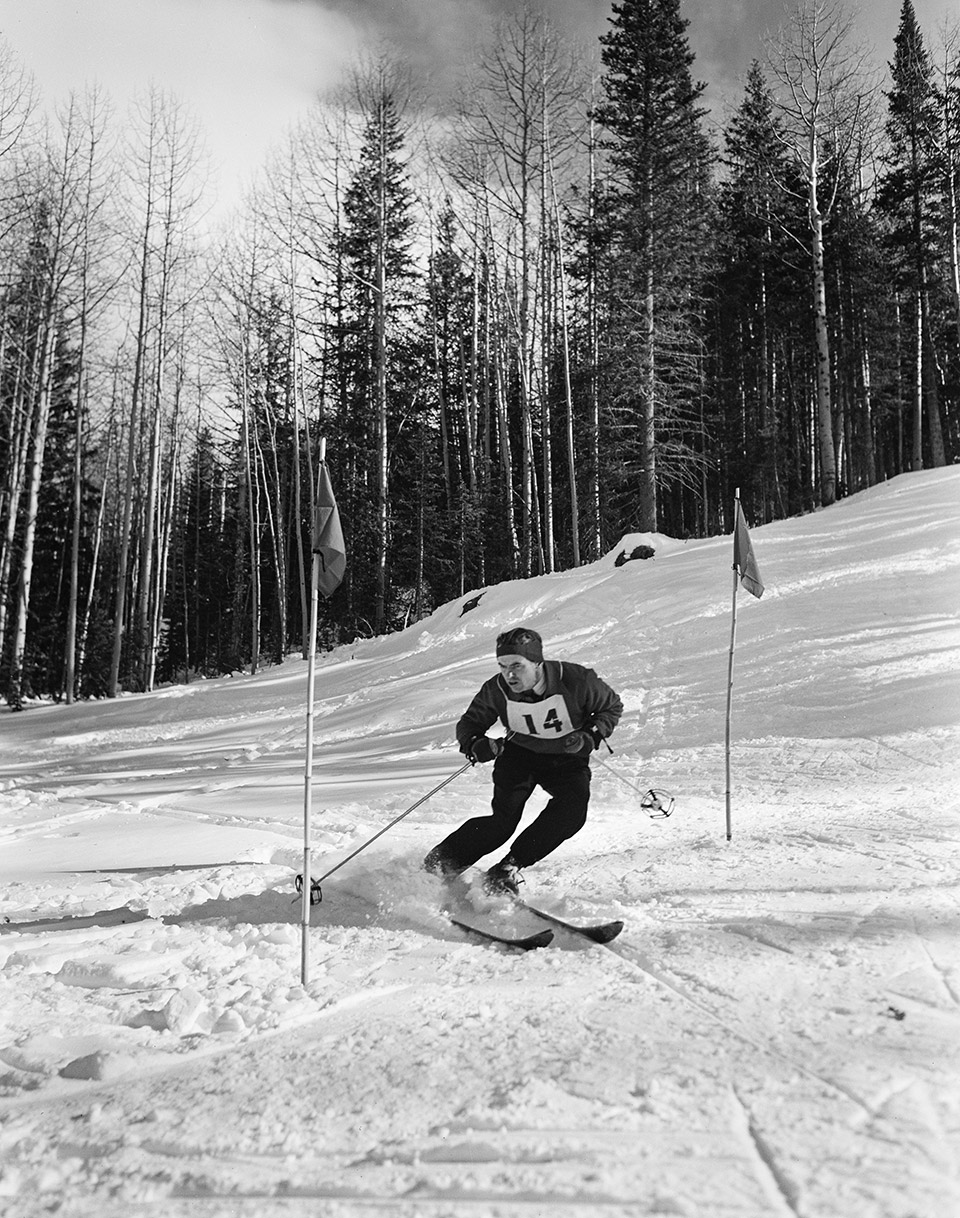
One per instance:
(564, 308)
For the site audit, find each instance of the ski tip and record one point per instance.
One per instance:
(523, 943)
(541, 939)
(604, 934)
(599, 932)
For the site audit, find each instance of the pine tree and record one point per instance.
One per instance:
(376, 245)
(755, 312)
(455, 366)
(951, 193)
(910, 198)
(660, 157)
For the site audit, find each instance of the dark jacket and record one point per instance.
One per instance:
(575, 699)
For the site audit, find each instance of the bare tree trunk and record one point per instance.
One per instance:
(593, 355)
(294, 399)
(55, 233)
(166, 510)
(542, 358)
(18, 100)
(828, 458)
(471, 396)
(84, 630)
(42, 418)
(133, 435)
(76, 505)
(505, 448)
(865, 387)
(297, 490)
(22, 405)
(567, 384)
(93, 198)
(146, 591)
(251, 483)
(916, 457)
(273, 511)
(822, 105)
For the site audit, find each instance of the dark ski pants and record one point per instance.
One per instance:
(516, 772)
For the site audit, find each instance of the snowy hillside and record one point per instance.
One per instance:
(775, 1032)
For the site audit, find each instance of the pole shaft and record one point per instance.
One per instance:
(616, 773)
(733, 644)
(396, 820)
(308, 761)
(308, 776)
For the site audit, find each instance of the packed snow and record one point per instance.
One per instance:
(775, 1032)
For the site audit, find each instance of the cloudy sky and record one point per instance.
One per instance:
(248, 68)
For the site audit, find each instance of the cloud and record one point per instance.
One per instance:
(246, 68)
(440, 37)
(250, 68)
(186, 42)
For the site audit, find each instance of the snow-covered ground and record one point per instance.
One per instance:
(776, 1032)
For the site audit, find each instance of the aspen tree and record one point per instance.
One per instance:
(821, 100)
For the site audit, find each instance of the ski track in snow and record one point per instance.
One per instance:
(775, 1033)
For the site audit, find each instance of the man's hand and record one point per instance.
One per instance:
(576, 742)
(484, 749)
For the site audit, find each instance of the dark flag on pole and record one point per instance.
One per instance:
(328, 541)
(329, 564)
(745, 568)
(743, 559)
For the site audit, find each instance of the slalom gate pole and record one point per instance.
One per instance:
(733, 644)
(396, 820)
(308, 762)
(308, 782)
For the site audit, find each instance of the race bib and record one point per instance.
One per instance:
(549, 718)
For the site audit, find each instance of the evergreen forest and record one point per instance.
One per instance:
(567, 305)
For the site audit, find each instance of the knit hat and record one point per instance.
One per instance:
(521, 642)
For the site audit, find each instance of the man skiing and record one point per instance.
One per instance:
(555, 714)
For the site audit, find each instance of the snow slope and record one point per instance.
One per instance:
(775, 1032)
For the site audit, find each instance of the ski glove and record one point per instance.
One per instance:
(484, 749)
(576, 742)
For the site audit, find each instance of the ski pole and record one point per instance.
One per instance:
(659, 802)
(315, 884)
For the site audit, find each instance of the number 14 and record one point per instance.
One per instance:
(551, 720)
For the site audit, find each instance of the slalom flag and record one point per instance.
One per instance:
(743, 560)
(745, 567)
(329, 564)
(328, 542)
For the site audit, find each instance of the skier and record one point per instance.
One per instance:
(555, 714)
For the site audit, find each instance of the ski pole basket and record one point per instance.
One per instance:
(657, 804)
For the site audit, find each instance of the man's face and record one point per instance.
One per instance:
(519, 673)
